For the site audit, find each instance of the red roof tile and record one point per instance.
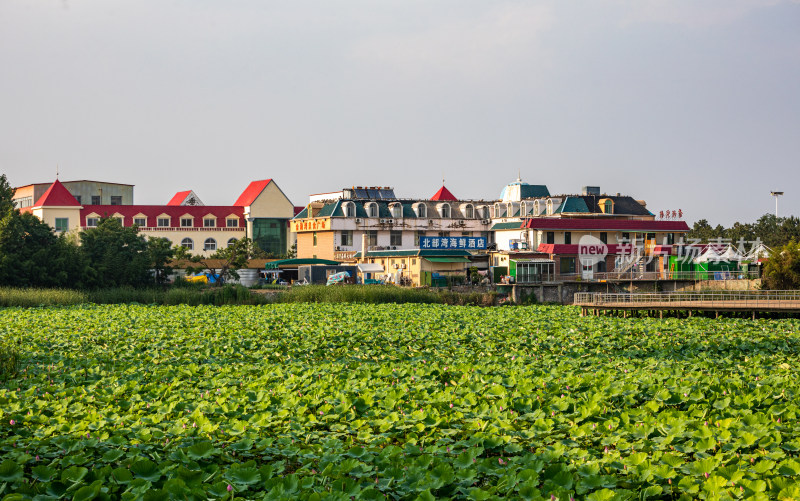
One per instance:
(252, 192)
(128, 212)
(179, 197)
(444, 195)
(57, 196)
(602, 224)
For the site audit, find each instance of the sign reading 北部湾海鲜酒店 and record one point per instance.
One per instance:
(461, 243)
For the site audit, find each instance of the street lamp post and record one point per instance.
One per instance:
(776, 194)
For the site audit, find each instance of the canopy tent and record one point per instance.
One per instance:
(759, 251)
(292, 263)
(709, 255)
(370, 268)
(730, 254)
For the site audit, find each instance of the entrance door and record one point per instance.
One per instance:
(587, 270)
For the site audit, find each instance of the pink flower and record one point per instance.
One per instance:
(706, 474)
(230, 487)
(320, 413)
(12, 422)
(451, 406)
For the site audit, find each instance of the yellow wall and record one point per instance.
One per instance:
(271, 203)
(49, 214)
(198, 235)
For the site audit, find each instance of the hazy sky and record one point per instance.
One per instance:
(690, 104)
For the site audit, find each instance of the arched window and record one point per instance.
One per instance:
(444, 211)
(231, 241)
(549, 206)
(397, 211)
(422, 210)
(187, 243)
(210, 244)
(536, 208)
(349, 209)
(372, 210)
(469, 211)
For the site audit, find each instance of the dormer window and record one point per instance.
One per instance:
(469, 211)
(372, 210)
(209, 222)
(232, 222)
(349, 209)
(397, 211)
(187, 221)
(549, 206)
(140, 220)
(444, 211)
(92, 222)
(421, 210)
(606, 205)
(162, 221)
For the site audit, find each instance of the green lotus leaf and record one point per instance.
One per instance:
(74, 474)
(146, 469)
(43, 473)
(122, 475)
(10, 471)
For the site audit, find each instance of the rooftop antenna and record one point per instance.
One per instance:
(56, 171)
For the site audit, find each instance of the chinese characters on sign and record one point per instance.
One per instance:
(462, 243)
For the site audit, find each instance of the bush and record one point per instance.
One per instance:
(27, 298)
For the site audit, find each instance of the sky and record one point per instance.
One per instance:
(687, 104)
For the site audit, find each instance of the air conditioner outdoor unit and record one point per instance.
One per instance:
(486, 221)
(383, 221)
(358, 220)
(390, 221)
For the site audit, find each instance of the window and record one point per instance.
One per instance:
(608, 207)
(469, 211)
(444, 233)
(417, 235)
(347, 238)
(670, 238)
(187, 243)
(567, 237)
(372, 210)
(422, 210)
(466, 233)
(315, 239)
(116, 200)
(210, 244)
(91, 222)
(396, 238)
(78, 198)
(62, 224)
(372, 238)
(604, 237)
(95, 199)
(121, 220)
(397, 211)
(536, 211)
(549, 206)
(209, 222)
(186, 222)
(162, 222)
(551, 237)
(567, 265)
(232, 222)
(140, 221)
(231, 241)
(626, 237)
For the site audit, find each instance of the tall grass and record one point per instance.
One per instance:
(229, 294)
(374, 294)
(40, 297)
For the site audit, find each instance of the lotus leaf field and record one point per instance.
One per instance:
(333, 401)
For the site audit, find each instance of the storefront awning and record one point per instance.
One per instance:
(370, 268)
(453, 259)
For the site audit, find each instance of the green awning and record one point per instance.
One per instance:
(274, 265)
(453, 259)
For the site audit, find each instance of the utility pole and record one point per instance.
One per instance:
(776, 194)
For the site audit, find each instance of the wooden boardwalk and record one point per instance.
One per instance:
(752, 302)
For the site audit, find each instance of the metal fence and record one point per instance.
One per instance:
(740, 298)
(676, 275)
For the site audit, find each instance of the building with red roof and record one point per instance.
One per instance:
(262, 212)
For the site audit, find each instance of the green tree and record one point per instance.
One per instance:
(782, 270)
(6, 195)
(160, 253)
(116, 255)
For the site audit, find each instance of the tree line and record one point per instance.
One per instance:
(773, 231)
(109, 255)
